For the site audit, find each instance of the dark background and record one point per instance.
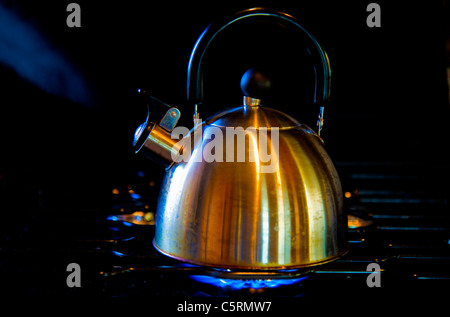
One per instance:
(389, 98)
(61, 154)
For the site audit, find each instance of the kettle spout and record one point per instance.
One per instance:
(154, 140)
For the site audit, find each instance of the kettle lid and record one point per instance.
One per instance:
(254, 85)
(252, 116)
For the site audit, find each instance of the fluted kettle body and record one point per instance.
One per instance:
(236, 215)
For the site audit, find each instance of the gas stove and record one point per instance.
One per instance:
(399, 243)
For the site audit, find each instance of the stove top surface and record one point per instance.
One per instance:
(398, 224)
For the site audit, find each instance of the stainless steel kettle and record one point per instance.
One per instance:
(228, 211)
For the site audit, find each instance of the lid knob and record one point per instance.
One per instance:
(255, 84)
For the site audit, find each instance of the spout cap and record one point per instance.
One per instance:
(138, 135)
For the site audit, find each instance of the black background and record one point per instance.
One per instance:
(389, 97)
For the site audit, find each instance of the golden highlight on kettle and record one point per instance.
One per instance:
(230, 214)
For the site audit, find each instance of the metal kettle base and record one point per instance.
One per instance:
(256, 271)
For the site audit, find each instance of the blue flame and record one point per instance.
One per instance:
(118, 253)
(237, 284)
(135, 196)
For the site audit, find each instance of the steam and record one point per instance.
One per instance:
(27, 51)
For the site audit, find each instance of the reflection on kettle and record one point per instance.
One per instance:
(223, 210)
(228, 145)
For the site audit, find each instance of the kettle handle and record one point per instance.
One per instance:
(195, 67)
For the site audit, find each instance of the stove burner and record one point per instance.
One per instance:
(238, 284)
(227, 279)
(137, 218)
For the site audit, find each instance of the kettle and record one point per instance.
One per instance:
(228, 205)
